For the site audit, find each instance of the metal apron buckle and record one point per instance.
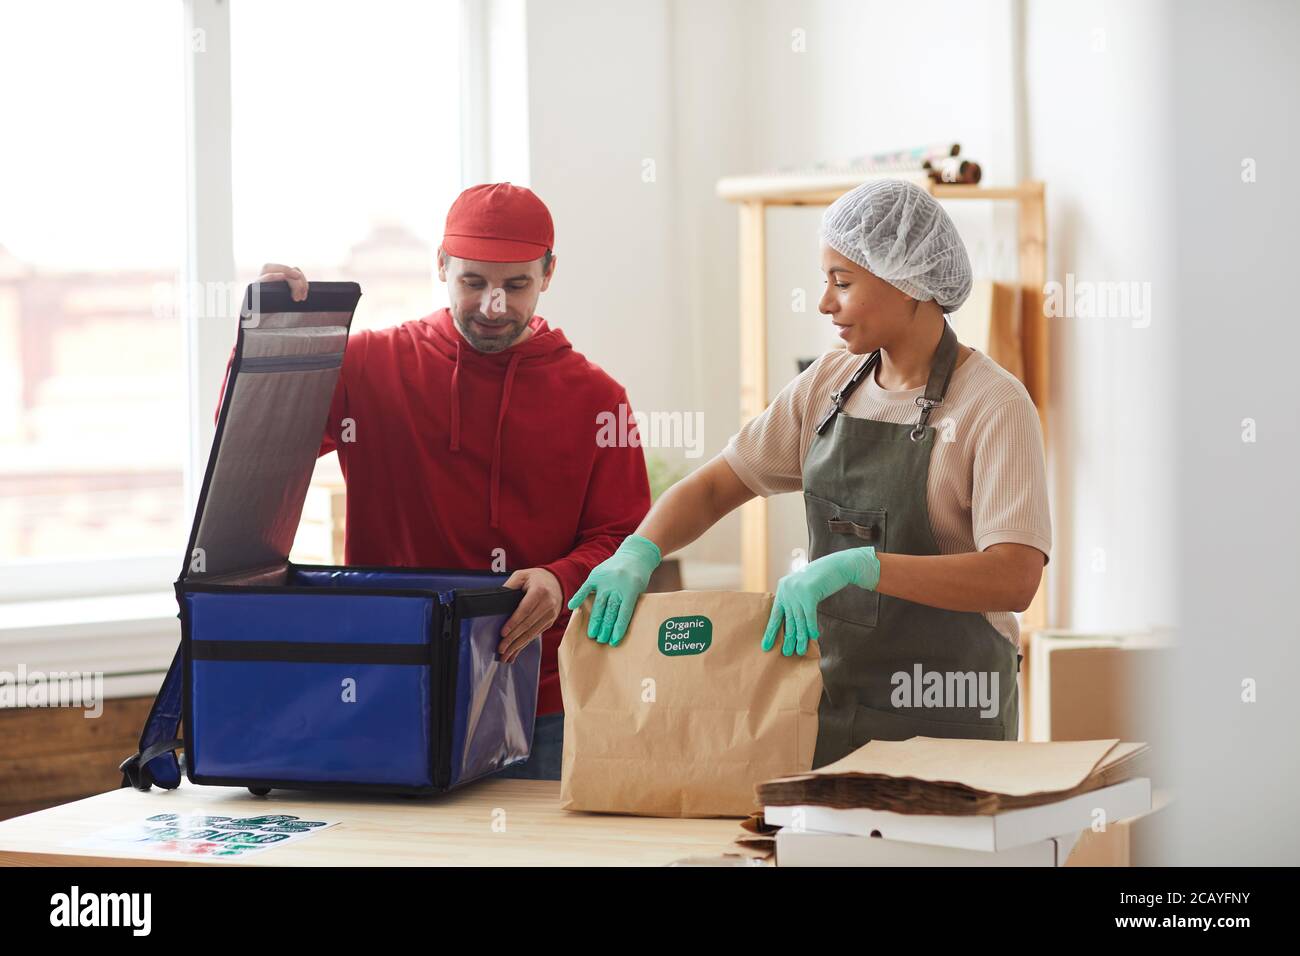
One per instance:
(926, 404)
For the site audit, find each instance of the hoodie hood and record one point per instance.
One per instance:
(543, 346)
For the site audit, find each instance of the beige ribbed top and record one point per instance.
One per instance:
(987, 481)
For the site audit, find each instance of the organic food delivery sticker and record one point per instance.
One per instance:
(685, 635)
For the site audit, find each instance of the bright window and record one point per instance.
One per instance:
(347, 152)
(346, 128)
(92, 193)
(346, 149)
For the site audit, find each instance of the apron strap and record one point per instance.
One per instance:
(841, 395)
(945, 360)
(941, 368)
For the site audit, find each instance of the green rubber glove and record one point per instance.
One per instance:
(617, 582)
(799, 593)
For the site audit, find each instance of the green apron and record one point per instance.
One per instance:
(865, 483)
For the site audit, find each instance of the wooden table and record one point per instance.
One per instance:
(454, 829)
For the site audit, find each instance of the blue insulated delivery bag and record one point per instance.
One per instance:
(312, 677)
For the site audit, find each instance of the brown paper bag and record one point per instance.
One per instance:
(687, 714)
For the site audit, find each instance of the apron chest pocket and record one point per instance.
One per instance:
(832, 528)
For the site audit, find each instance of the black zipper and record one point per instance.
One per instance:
(444, 708)
(403, 569)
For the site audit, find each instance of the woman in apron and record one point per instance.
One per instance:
(921, 466)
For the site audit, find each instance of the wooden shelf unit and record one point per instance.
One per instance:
(754, 195)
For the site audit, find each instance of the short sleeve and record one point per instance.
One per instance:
(767, 453)
(1009, 488)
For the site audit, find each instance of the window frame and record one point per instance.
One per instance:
(209, 258)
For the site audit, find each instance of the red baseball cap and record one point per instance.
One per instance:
(498, 222)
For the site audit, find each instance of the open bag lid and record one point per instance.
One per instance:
(288, 357)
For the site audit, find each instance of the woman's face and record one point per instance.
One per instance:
(868, 312)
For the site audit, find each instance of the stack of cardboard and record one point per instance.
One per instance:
(933, 801)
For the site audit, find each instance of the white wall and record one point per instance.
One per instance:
(1098, 135)
(648, 283)
(600, 78)
(870, 77)
(1235, 74)
(1126, 108)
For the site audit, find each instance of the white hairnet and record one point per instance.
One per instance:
(896, 231)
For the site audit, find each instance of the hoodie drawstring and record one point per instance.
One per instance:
(496, 442)
(455, 402)
(508, 383)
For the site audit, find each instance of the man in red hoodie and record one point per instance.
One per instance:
(468, 438)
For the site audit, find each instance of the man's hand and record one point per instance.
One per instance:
(274, 272)
(538, 610)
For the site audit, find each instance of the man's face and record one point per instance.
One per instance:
(492, 302)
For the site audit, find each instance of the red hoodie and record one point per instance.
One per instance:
(457, 453)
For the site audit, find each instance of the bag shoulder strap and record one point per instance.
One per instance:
(155, 762)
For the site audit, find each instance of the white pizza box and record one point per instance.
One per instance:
(988, 832)
(805, 848)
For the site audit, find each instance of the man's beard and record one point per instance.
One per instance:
(509, 333)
